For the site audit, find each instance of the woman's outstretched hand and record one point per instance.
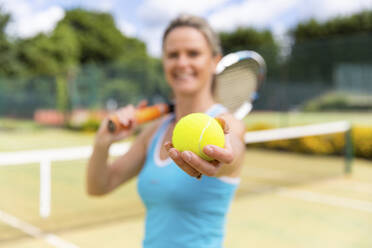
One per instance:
(194, 165)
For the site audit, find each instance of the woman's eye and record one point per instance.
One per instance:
(193, 53)
(172, 55)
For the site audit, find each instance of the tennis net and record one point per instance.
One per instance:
(290, 156)
(290, 133)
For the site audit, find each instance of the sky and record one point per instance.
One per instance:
(147, 19)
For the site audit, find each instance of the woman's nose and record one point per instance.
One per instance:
(182, 61)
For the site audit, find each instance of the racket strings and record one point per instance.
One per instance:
(237, 84)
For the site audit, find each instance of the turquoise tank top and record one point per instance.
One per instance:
(182, 211)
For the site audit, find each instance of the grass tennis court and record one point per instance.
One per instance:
(284, 200)
(265, 213)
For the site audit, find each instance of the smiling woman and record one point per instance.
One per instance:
(181, 211)
(186, 56)
(194, 43)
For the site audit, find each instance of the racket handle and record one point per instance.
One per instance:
(142, 115)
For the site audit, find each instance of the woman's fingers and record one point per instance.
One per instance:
(126, 116)
(193, 165)
(224, 155)
(175, 155)
(224, 125)
(207, 168)
(168, 145)
(177, 158)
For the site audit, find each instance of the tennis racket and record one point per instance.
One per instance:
(239, 76)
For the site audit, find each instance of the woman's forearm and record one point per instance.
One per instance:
(98, 170)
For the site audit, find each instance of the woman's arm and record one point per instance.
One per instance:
(103, 177)
(234, 144)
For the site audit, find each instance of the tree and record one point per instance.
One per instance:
(338, 26)
(83, 62)
(8, 61)
(319, 47)
(98, 37)
(245, 38)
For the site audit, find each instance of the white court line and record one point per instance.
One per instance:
(340, 183)
(35, 232)
(309, 196)
(326, 199)
(58, 154)
(360, 187)
(264, 173)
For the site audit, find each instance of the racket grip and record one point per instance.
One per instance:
(142, 115)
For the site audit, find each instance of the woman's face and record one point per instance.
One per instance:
(188, 61)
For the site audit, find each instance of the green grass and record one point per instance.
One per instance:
(9, 124)
(259, 217)
(71, 206)
(18, 134)
(42, 139)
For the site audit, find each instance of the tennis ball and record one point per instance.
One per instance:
(196, 130)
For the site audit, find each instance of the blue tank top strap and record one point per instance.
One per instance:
(216, 110)
(159, 133)
(164, 125)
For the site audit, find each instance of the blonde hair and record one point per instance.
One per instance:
(200, 24)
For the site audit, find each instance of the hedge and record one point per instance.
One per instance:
(331, 144)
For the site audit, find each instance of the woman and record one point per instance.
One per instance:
(181, 211)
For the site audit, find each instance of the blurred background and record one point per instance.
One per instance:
(65, 64)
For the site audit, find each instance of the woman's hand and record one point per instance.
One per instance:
(126, 117)
(194, 165)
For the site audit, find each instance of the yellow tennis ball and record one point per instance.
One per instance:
(194, 131)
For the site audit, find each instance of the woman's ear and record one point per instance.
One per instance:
(217, 58)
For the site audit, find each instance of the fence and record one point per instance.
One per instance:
(304, 73)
